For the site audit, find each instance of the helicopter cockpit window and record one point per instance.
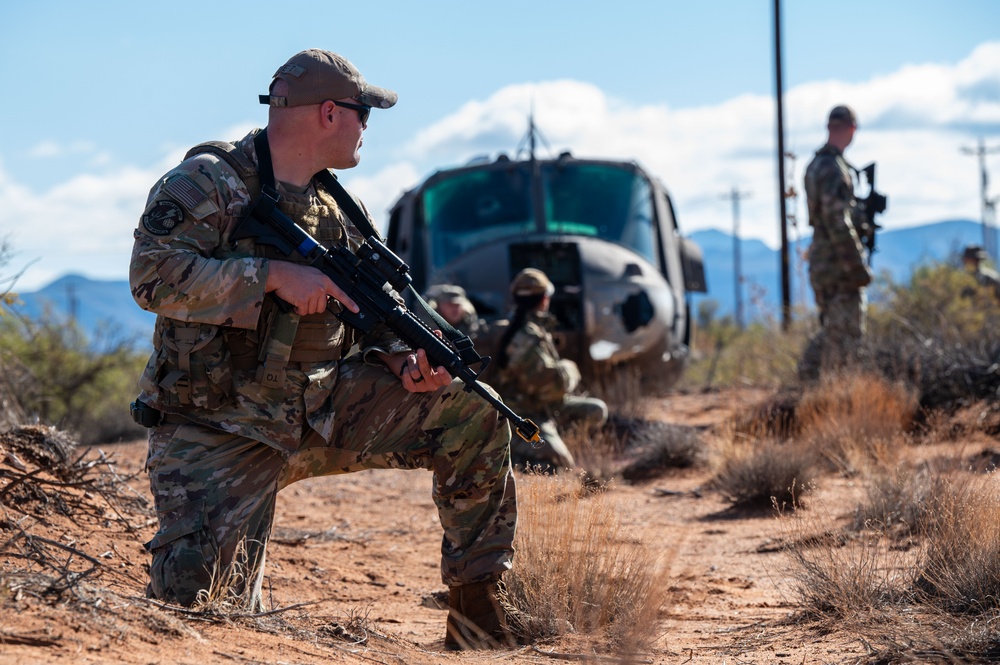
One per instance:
(466, 210)
(612, 203)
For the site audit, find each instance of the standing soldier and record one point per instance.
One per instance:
(838, 262)
(532, 377)
(973, 258)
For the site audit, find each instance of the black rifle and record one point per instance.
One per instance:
(364, 276)
(867, 208)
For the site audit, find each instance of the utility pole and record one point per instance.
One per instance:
(786, 306)
(989, 235)
(735, 195)
(71, 302)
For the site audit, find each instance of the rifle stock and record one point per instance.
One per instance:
(364, 276)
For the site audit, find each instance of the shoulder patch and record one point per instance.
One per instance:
(162, 217)
(184, 189)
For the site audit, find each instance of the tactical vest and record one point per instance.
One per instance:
(282, 337)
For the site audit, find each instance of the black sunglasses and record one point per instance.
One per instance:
(363, 110)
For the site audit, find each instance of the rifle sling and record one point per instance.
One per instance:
(462, 344)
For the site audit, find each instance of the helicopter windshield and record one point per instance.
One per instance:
(472, 208)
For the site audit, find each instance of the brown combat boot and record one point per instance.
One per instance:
(476, 619)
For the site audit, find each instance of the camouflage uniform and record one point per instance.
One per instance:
(256, 399)
(536, 383)
(973, 258)
(989, 278)
(838, 266)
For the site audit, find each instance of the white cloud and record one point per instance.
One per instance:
(45, 149)
(84, 224)
(913, 122)
(49, 148)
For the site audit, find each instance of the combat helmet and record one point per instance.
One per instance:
(531, 282)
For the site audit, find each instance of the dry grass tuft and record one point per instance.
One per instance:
(857, 421)
(898, 501)
(596, 452)
(846, 578)
(960, 571)
(774, 417)
(234, 589)
(934, 598)
(578, 570)
(758, 474)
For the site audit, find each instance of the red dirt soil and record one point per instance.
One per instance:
(366, 546)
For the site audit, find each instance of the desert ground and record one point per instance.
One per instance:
(353, 570)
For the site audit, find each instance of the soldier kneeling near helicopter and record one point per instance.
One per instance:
(533, 379)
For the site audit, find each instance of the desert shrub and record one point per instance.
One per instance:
(960, 570)
(940, 333)
(11, 412)
(578, 570)
(938, 297)
(898, 500)
(772, 417)
(842, 577)
(65, 380)
(855, 420)
(764, 472)
(660, 447)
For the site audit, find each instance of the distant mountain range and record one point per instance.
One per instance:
(97, 305)
(109, 304)
(897, 252)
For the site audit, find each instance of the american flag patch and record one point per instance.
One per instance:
(185, 191)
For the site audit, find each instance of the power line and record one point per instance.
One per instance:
(735, 195)
(989, 235)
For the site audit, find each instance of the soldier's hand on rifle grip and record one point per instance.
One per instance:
(303, 287)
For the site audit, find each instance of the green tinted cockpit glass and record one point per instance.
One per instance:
(608, 202)
(468, 209)
(471, 208)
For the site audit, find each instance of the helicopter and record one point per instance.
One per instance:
(604, 231)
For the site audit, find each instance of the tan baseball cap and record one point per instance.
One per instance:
(314, 76)
(446, 293)
(975, 253)
(532, 282)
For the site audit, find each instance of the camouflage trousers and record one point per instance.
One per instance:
(842, 321)
(215, 492)
(587, 412)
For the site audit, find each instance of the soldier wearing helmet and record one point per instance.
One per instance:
(534, 379)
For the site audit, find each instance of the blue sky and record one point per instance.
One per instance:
(103, 97)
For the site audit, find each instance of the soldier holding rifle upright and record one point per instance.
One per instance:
(839, 267)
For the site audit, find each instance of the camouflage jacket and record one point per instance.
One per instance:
(535, 378)
(988, 277)
(223, 354)
(837, 259)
